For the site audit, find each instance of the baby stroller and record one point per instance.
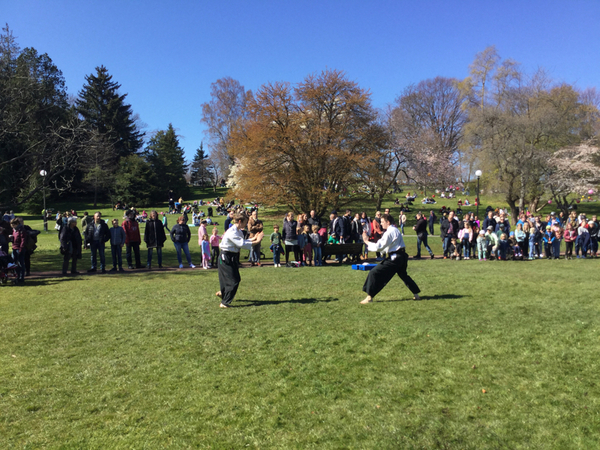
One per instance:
(7, 269)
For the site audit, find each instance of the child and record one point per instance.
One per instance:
(514, 245)
(205, 251)
(117, 240)
(482, 243)
(323, 235)
(333, 239)
(454, 249)
(307, 255)
(276, 246)
(583, 239)
(503, 247)
(548, 240)
(492, 242)
(533, 239)
(570, 235)
(214, 243)
(558, 233)
(466, 235)
(315, 242)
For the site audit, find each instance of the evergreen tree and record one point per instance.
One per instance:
(104, 110)
(167, 162)
(198, 168)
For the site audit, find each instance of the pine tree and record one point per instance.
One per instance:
(104, 109)
(167, 162)
(198, 172)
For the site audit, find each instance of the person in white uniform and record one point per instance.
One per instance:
(395, 263)
(231, 244)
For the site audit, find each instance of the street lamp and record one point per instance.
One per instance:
(478, 174)
(43, 173)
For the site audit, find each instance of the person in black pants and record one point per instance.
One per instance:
(229, 269)
(432, 219)
(396, 262)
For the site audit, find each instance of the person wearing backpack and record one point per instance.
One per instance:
(18, 247)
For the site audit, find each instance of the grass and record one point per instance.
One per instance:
(148, 360)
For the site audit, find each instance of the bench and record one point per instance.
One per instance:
(342, 249)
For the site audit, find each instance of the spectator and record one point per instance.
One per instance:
(18, 247)
(448, 230)
(70, 246)
(180, 235)
(132, 240)
(421, 230)
(154, 237)
(97, 234)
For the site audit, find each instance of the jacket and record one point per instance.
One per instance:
(117, 236)
(154, 234)
(570, 235)
(104, 232)
(132, 231)
(70, 241)
(421, 227)
(289, 230)
(337, 227)
(19, 238)
(445, 227)
(181, 234)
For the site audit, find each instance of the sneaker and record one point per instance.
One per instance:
(181, 266)
(148, 266)
(192, 266)
(93, 269)
(130, 267)
(121, 270)
(114, 269)
(484, 259)
(432, 256)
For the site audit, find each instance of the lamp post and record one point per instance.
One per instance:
(478, 175)
(43, 173)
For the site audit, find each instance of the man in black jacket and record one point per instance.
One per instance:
(313, 219)
(489, 221)
(97, 234)
(449, 230)
(421, 230)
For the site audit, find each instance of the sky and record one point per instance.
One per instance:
(165, 54)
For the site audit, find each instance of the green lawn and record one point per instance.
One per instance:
(148, 360)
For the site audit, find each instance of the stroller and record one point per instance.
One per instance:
(7, 269)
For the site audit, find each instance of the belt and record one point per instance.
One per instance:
(400, 250)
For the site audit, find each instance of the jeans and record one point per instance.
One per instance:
(98, 247)
(422, 239)
(532, 249)
(255, 254)
(276, 254)
(117, 256)
(19, 258)
(135, 246)
(158, 255)
(466, 248)
(556, 248)
(317, 256)
(214, 259)
(447, 244)
(402, 228)
(186, 249)
(482, 249)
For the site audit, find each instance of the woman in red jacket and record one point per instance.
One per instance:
(18, 247)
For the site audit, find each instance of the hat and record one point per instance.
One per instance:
(512, 233)
(490, 228)
(501, 225)
(482, 232)
(552, 213)
(548, 227)
(334, 212)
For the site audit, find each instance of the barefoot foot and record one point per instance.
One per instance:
(221, 305)
(218, 294)
(416, 297)
(368, 299)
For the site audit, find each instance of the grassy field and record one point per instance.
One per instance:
(497, 355)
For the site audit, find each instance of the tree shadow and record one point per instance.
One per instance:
(428, 297)
(303, 301)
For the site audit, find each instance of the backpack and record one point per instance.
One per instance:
(30, 237)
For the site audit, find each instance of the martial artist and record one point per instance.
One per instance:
(395, 262)
(231, 244)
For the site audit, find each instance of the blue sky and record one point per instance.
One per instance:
(166, 54)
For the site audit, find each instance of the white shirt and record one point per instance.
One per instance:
(233, 241)
(391, 241)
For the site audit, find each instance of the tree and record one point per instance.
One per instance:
(104, 110)
(572, 170)
(305, 146)
(37, 131)
(222, 116)
(167, 162)
(199, 167)
(133, 182)
(517, 124)
(427, 124)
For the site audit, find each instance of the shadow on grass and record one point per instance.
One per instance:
(49, 281)
(276, 302)
(428, 297)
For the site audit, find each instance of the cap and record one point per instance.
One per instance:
(482, 232)
(490, 228)
(548, 227)
(552, 213)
